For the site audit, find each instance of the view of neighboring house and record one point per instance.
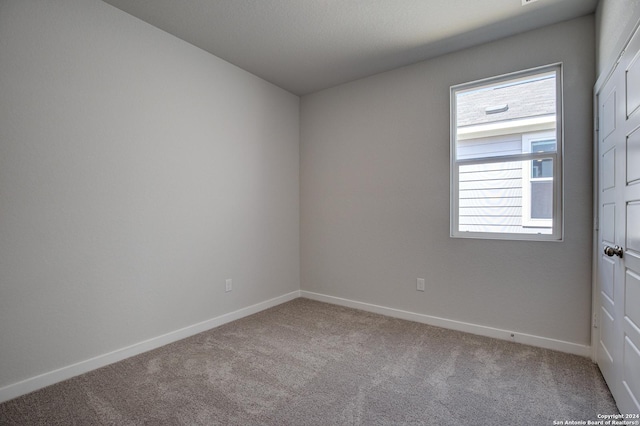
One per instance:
(501, 189)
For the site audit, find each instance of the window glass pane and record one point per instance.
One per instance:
(542, 199)
(542, 168)
(491, 198)
(490, 119)
(543, 146)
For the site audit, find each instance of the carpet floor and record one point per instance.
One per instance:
(311, 363)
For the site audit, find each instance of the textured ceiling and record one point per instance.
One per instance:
(307, 45)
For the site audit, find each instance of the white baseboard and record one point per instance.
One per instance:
(528, 339)
(34, 383)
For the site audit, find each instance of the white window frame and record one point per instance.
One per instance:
(557, 220)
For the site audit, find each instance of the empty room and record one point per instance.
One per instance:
(319, 212)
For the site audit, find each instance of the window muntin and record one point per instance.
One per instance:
(506, 160)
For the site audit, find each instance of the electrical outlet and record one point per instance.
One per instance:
(420, 284)
(228, 285)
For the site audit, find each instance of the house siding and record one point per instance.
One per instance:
(490, 197)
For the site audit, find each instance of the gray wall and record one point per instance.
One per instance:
(375, 195)
(137, 172)
(615, 21)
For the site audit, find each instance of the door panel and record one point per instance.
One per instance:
(606, 335)
(631, 367)
(607, 274)
(608, 169)
(633, 86)
(632, 299)
(633, 157)
(608, 223)
(608, 115)
(633, 226)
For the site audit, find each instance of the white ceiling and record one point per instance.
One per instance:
(307, 45)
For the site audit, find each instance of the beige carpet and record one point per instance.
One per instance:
(310, 363)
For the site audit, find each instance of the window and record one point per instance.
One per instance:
(506, 156)
(537, 181)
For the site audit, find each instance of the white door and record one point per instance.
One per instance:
(618, 348)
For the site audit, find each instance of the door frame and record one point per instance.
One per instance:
(595, 295)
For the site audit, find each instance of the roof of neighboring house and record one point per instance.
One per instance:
(528, 99)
